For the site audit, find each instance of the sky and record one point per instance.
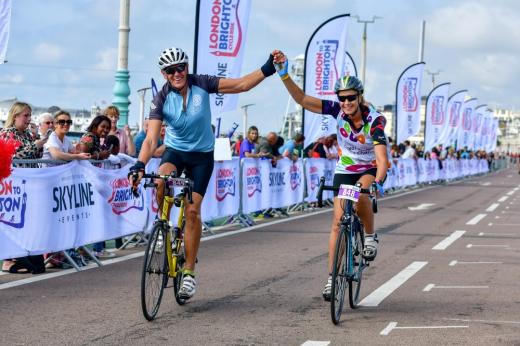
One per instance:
(64, 52)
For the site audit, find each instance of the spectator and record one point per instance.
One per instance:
(318, 151)
(16, 128)
(268, 147)
(90, 142)
(293, 147)
(46, 125)
(331, 147)
(236, 147)
(59, 146)
(139, 138)
(112, 144)
(247, 147)
(126, 140)
(409, 152)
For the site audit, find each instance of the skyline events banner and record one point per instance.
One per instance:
(455, 102)
(220, 45)
(408, 102)
(5, 21)
(325, 60)
(464, 134)
(435, 115)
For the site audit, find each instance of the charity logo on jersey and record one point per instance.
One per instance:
(253, 181)
(225, 35)
(437, 111)
(410, 99)
(122, 199)
(295, 176)
(325, 71)
(13, 203)
(225, 182)
(454, 113)
(196, 103)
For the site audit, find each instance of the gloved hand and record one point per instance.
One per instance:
(268, 68)
(134, 176)
(380, 188)
(282, 69)
(136, 168)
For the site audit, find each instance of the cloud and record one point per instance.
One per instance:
(107, 59)
(14, 78)
(48, 52)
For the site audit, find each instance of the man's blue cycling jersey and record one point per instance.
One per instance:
(188, 129)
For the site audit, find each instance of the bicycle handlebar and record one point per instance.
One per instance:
(171, 180)
(324, 187)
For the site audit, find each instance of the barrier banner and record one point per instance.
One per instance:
(325, 60)
(223, 194)
(314, 170)
(58, 208)
(392, 176)
(465, 138)
(422, 170)
(255, 183)
(408, 102)
(435, 115)
(286, 183)
(221, 30)
(453, 108)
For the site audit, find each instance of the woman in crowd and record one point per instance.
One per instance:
(126, 141)
(59, 146)
(91, 141)
(17, 128)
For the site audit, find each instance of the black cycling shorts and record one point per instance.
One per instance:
(350, 179)
(198, 166)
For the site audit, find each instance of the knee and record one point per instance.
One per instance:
(192, 215)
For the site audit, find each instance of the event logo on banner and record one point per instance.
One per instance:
(253, 181)
(325, 62)
(71, 199)
(225, 183)
(295, 176)
(219, 45)
(408, 96)
(449, 132)
(122, 198)
(314, 177)
(13, 203)
(435, 115)
(465, 136)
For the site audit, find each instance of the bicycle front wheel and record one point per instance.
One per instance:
(155, 272)
(358, 241)
(339, 276)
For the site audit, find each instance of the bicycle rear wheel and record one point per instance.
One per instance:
(339, 276)
(155, 272)
(358, 241)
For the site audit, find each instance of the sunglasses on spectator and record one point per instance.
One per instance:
(350, 98)
(63, 122)
(177, 68)
(47, 122)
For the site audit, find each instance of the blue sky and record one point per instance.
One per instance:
(64, 52)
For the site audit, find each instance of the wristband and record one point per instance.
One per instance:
(282, 69)
(268, 68)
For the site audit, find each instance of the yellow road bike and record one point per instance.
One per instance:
(164, 256)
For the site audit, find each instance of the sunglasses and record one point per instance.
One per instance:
(350, 98)
(64, 122)
(177, 68)
(48, 122)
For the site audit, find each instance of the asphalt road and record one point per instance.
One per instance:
(447, 274)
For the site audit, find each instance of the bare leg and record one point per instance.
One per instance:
(192, 231)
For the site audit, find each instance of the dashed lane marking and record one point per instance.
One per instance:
(315, 343)
(393, 326)
(503, 199)
(492, 207)
(429, 287)
(443, 245)
(476, 219)
(455, 262)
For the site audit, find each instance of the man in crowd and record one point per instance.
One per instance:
(293, 147)
(46, 125)
(269, 147)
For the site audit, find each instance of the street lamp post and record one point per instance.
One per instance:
(121, 88)
(245, 107)
(433, 74)
(142, 94)
(364, 46)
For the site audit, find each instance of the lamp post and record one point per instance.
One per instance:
(142, 94)
(245, 107)
(121, 88)
(433, 74)
(364, 46)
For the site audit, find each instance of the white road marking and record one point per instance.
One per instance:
(492, 207)
(507, 224)
(476, 219)
(429, 287)
(377, 296)
(315, 343)
(490, 224)
(449, 240)
(455, 262)
(494, 234)
(483, 321)
(469, 246)
(503, 199)
(507, 207)
(393, 326)
(497, 217)
(422, 206)
(510, 192)
(487, 183)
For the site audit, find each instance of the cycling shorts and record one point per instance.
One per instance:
(350, 179)
(198, 166)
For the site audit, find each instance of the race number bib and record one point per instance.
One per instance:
(349, 192)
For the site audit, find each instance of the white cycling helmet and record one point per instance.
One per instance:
(172, 56)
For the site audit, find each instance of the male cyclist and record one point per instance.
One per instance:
(184, 104)
(361, 149)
